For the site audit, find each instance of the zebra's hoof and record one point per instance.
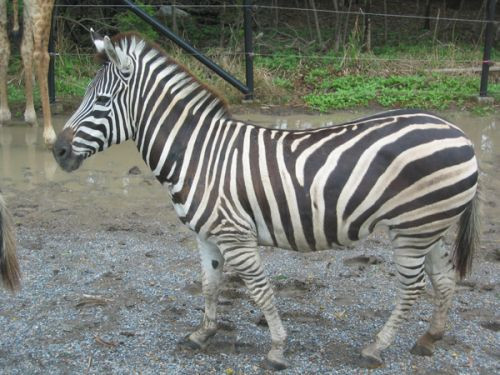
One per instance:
(188, 343)
(370, 362)
(274, 365)
(421, 350)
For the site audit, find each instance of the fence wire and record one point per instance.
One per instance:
(297, 9)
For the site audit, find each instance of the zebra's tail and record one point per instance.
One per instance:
(9, 267)
(467, 241)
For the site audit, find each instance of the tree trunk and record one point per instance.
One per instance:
(174, 18)
(316, 22)
(309, 27)
(481, 16)
(455, 15)
(434, 37)
(367, 34)
(427, 21)
(344, 36)
(276, 14)
(385, 20)
(338, 28)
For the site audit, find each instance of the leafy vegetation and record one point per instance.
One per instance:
(331, 67)
(432, 91)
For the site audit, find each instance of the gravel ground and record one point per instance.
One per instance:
(111, 284)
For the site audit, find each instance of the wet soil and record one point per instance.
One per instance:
(111, 279)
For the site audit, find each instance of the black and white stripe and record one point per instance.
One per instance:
(238, 185)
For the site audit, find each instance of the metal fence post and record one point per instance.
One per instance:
(248, 48)
(488, 41)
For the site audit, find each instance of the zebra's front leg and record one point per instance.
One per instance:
(411, 282)
(244, 258)
(212, 264)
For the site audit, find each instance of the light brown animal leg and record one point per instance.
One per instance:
(41, 35)
(27, 56)
(4, 61)
(439, 268)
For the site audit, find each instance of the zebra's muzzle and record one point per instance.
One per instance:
(63, 151)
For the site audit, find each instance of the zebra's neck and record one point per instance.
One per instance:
(171, 109)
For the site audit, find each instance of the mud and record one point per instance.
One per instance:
(111, 280)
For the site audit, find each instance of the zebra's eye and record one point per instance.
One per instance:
(102, 100)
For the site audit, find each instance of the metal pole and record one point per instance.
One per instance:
(488, 41)
(248, 48)
(181, 43)
(51, 78)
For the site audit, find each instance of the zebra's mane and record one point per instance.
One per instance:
(122, 38)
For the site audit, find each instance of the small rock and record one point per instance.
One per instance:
(492, 325)
(134, 170)
(127, 333)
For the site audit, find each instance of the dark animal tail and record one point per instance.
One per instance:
(9, 267)
(467, 241)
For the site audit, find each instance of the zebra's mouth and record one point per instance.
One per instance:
(63, 152)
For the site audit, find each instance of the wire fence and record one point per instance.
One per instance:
(322, 56)
(325, 57)
(283, 8)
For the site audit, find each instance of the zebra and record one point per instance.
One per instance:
(237, 185)
(9, 265)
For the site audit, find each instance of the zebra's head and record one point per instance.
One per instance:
(102, 118)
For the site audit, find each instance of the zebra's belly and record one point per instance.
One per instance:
(284, 240)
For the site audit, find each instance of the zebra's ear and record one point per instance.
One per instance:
(97, 40)
(117, 56)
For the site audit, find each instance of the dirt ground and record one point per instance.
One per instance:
(111, 279)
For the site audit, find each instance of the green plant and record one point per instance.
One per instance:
(127, 21)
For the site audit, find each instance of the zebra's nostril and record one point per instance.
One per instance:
(62, 150)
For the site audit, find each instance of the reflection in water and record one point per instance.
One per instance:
(26, 162)
(23, 156)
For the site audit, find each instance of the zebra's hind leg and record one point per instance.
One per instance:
(409, 260)
(244, 258)
(212, 264)
(439, 267)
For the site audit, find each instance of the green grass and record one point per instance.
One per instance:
(321, 81)
(433, 91)
(73, 74)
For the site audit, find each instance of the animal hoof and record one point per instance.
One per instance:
(421, 350)
(370, 362)
(49, 137)
(30, 118)
(187, 343)
(274, 365)
(4, 116)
